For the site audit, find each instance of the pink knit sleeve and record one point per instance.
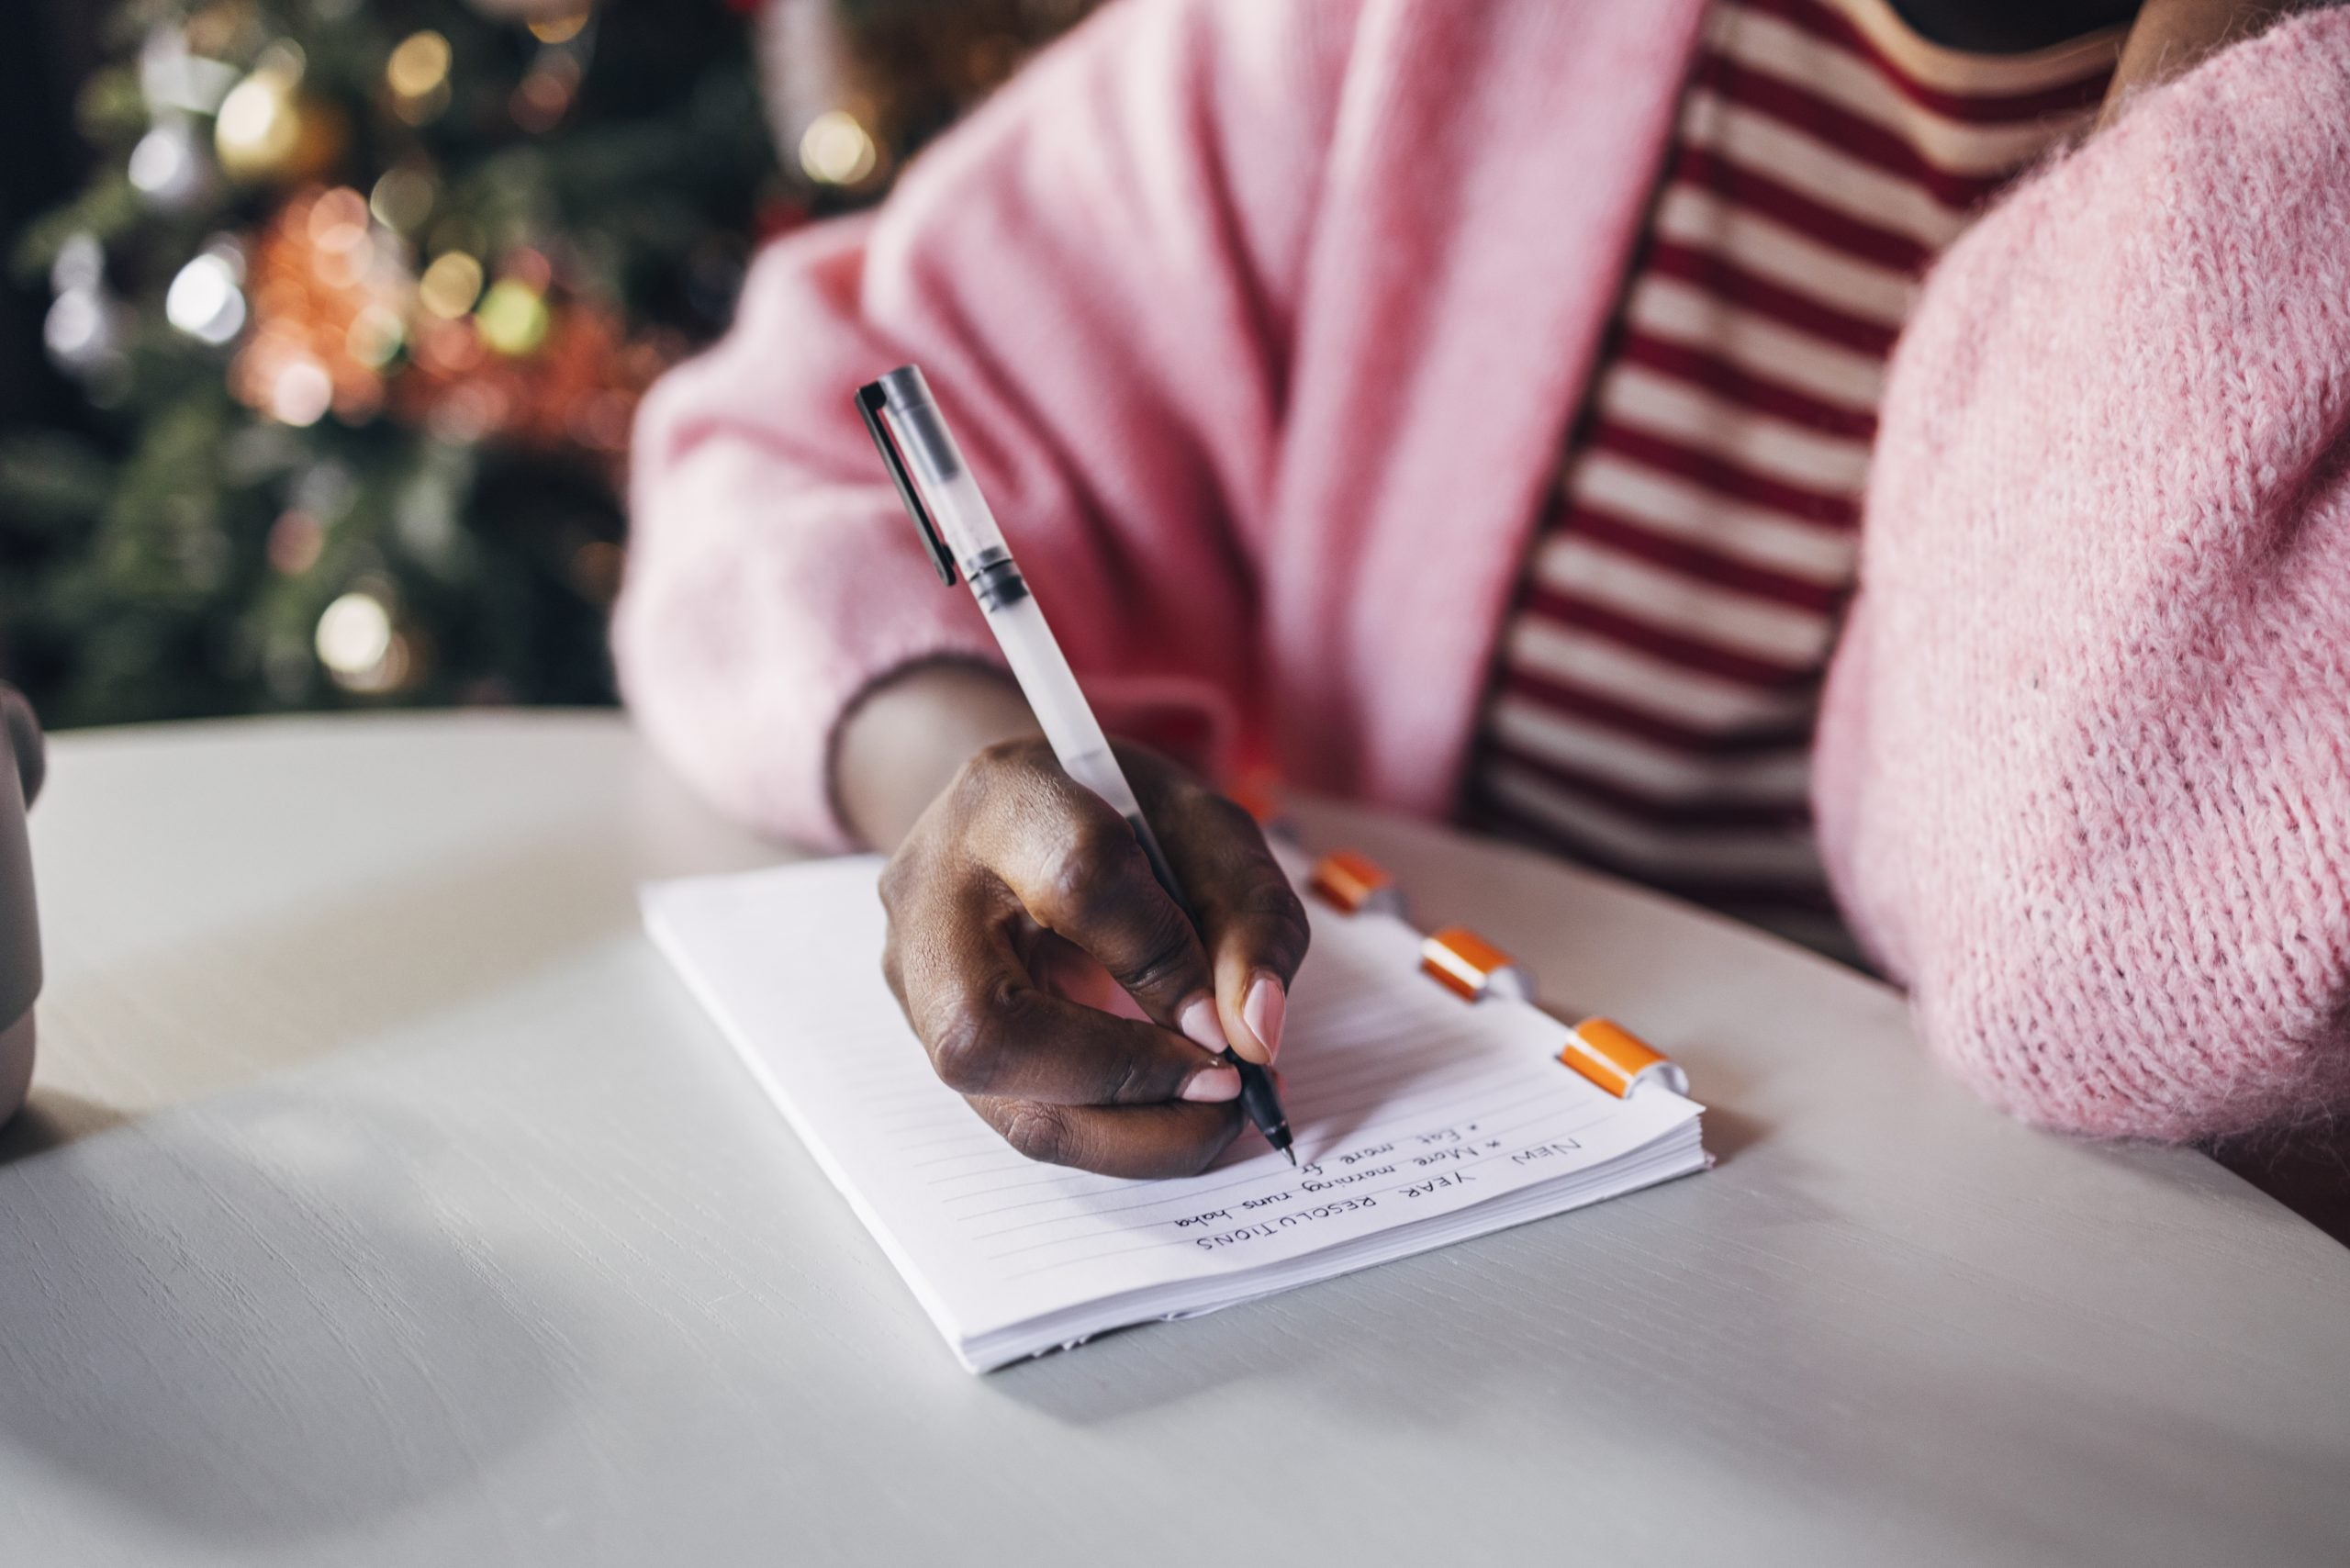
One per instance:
(2083, 772)
(1095, 274)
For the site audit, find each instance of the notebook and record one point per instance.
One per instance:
(1421, 1119)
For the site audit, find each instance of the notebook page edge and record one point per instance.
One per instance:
(1578, 1190)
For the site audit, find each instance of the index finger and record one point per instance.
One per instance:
(1249, 916)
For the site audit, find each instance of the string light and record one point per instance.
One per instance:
(540, 101)
(302, 393)
(559, 30)
(354, 634)
(81, 264)
(361, 646)
(337, 226)
(166, 166)
(257, 128)
(204, 300)
(419, 66)
(836, 150)
(339, 218)
(418, 76)
(376, 335)
(451, 284)
(403, 198)
(78, 328)
(296, 540)
(513, 317)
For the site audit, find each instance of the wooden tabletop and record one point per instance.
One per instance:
(384, 1200)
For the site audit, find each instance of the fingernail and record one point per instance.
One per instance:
(1213, 1085)
(1262, 1012)
(1201, 1026)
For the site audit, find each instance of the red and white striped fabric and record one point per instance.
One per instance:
(1655, 686)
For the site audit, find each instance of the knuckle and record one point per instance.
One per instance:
(992, 759)
(976, 784)
(912, 880)
(1086, 882)
(1099, 843)
(1164, 962)
(1016, 752)
(1226, 817)
(1274, 917)
(1041, 1131)
(998, 764)
(899, 880)
(967, 1051)
(1131, 1078)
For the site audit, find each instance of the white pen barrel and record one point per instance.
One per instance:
(1059, 704)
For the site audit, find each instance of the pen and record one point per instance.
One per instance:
(959, 531)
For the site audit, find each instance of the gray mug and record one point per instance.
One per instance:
(20, 774)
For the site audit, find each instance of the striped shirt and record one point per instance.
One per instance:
(1657, 681)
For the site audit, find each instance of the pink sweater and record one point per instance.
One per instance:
(1263, 324)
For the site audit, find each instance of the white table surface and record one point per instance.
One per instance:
(385, 1201)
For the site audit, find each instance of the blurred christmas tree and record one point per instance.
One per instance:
(368, 291)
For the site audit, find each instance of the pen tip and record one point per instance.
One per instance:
(1293, 1158)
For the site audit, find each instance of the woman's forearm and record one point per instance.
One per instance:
(899, 747)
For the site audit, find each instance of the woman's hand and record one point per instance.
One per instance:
(1010, 891)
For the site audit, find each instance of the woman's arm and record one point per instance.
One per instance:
(2083, 769)
(1096, 275)
(1095, 272)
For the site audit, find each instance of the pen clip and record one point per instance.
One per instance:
(871, 400)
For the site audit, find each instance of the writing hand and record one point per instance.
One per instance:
(1013, 868)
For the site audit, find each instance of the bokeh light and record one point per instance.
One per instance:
(205, 300)
(419, 66)
(836, 150)
(301, 393)
(354, 636)
(514, 318)
(451, 284)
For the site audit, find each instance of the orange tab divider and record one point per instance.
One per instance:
(1618, 1060)
(1355, 882)
(1464, 962)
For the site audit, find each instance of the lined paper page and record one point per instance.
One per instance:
(1406, 1103)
